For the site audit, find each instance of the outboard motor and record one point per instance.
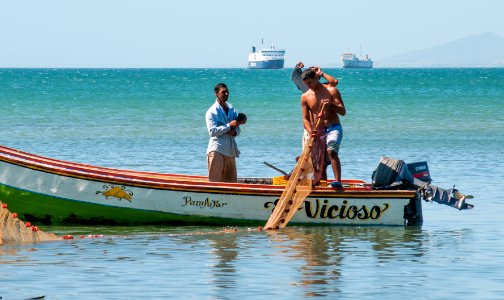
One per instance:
(395, 174)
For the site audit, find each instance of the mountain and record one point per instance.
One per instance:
(483, 50)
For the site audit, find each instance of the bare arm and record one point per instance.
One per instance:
(330, 79)
(338, 101)
(305, 113)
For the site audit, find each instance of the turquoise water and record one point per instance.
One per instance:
(152, 120)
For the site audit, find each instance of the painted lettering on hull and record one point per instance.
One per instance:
(322, 209)
(188, 201)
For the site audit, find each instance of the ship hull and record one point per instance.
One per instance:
(270, 64)
(357, 64)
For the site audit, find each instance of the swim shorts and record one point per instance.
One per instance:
(334, 135)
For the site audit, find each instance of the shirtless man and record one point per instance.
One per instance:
(298, 81)
(311, 102)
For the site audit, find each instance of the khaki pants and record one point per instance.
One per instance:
(221, 168)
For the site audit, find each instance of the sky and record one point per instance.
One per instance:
(220, 33)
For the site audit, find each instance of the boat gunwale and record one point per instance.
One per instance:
(176, 182)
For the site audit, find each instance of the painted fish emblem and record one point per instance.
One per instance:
(114, 191)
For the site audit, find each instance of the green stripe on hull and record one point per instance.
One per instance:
(47, 210)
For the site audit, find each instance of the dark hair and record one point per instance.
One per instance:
(219, 86)
(308, 73)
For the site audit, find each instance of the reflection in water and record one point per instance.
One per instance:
(223, 248)
(321, 256)
(325, 250)
(225, 252)
(8, 253)
(210, 262)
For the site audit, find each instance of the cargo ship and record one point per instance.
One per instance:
(350, 60)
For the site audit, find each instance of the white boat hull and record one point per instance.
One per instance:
(57, 192)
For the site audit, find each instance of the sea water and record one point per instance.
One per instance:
(153, 120)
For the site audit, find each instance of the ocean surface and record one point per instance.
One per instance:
(153, 120)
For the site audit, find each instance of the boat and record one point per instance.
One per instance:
(350, 60)
(48, 191)
(266, 58)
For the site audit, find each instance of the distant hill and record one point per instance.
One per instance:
(483, 50)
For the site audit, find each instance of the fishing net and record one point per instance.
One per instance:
(13, 230)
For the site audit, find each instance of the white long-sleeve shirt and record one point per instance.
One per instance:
(217, 122)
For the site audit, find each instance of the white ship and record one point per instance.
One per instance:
(349, 60)
(266, 58)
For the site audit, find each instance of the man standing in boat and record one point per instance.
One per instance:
(223, 124)
(328, 98)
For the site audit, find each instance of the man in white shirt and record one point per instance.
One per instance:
(223, 127)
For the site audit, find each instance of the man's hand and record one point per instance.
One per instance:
(325, 103)
(234, 124)
(318, 71)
